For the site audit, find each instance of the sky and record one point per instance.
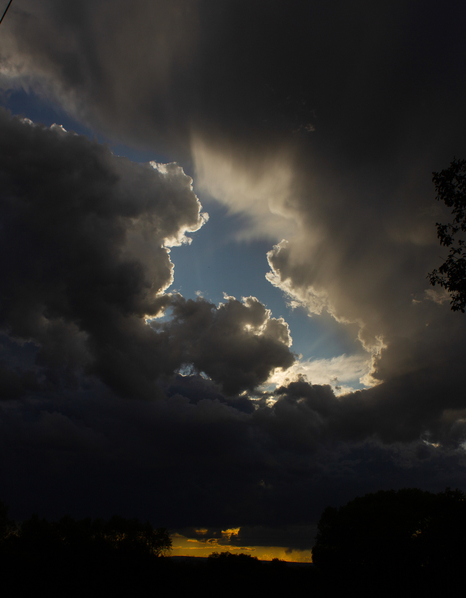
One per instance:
(217, 219)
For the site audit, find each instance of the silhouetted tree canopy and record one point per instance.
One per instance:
(450, 185)
(7, 527)
(118, 535)
(115, 557)
(391, 530)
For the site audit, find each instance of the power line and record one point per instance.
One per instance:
(6, 10)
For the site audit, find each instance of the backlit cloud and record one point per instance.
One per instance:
(315, 127)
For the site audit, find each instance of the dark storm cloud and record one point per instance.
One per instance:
(378, 83)
(368, 74)
(423, 404)
(237, 344)
(84, 238)
(110, 61)
(206, 464)
(335, 115)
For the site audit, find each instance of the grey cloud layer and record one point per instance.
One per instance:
(368, 74)
(206, 464)
(380, 86)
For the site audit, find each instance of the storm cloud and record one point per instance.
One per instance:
(86, 239)
(319, 126)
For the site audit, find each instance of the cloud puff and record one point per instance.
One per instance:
(259, 187)
(238, 344)
(343, 373)
(86, 235)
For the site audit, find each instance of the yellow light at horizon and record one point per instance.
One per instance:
(183, 546)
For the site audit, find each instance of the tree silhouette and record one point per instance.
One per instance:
(131, 535)
(117, 536)
(450, 185)
(7, 527)
(386, 531)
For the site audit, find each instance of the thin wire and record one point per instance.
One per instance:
(6, 9)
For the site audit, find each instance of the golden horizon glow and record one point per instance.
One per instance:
(183, 546)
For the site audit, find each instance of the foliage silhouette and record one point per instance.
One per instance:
(132, 535)
(126, 537)
(404, 530)
(450, 185)
(7, 527)
(72, 557)
(117, 557)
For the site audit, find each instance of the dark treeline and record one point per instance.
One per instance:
(117, 536)
(68, 557)
(408, 541)
(124, 557)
